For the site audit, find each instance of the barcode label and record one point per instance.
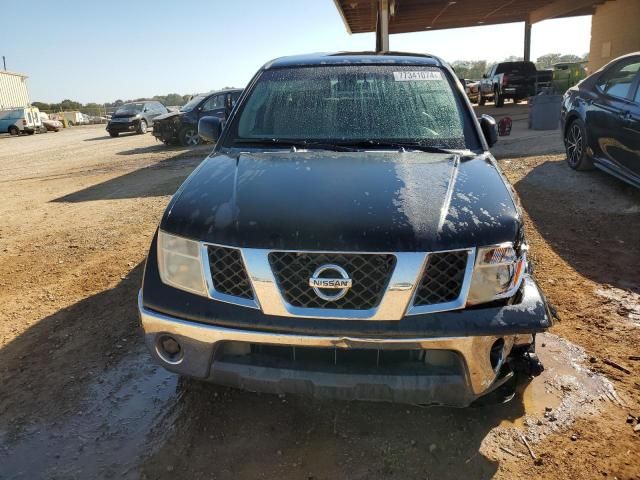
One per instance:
(417, 76)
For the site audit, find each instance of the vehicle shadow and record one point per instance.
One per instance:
(160, 147)
(44, 371)
(243, 435)
(104, 137)
(52, 419)
(591, 219)
(159, 179)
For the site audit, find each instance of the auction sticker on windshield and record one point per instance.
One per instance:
(420, 75)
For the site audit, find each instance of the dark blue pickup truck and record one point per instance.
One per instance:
(512, 80)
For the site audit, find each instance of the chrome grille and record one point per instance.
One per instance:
(228, 273)
(370, 274)
(442, 279)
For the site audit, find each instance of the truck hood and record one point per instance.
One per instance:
(164, 116)
(362, 201)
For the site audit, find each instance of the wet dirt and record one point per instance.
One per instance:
(80, 398)
(107, 434)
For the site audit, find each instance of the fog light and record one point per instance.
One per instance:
(496, 356)
(169, 349)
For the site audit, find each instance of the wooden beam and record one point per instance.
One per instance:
(527, 41)
(558, 9)
(344, 19)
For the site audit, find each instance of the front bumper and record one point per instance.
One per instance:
(122, 127)
(471, 376)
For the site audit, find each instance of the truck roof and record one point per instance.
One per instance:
(354, 58)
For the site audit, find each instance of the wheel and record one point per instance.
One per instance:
(499, 99)
(481, 99)
(114, 134)
(13, 130)
(71, 124)
(142, 126)
(575, 142)
(31, 132)
(189, 136)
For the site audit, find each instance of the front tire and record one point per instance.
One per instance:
(575, 142)
(188, 137)
(114, 134)
(142, 126)
(481, 100)
(13, 130)
(499, 99)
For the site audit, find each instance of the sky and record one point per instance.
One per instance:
(100, 51)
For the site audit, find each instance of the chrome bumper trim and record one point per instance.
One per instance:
(204, 338)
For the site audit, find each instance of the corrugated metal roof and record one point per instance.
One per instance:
(419, 15)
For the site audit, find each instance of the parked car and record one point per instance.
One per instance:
(512, 80)
(182, 126)
(350, 235)
(135, 117)
(20, 120)
(472, 89)
(600, 120)
(52, 125)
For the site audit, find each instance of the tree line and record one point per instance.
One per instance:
(172, 99)
(474, 69)
(464, 69)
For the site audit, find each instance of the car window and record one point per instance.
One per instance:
(214, 102)
(617, 80)
(354, 103)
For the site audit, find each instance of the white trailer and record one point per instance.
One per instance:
(13, 90)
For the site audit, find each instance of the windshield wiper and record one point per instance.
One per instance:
(296, 144)
(402, 146)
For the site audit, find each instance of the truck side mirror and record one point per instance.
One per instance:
(489, 129)
(484, 75)
(210, 128)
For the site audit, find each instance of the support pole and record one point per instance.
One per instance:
(382, 27)
(527, 41)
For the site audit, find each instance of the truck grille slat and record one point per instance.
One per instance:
(228, 272)
(370, 274)
(442, 279)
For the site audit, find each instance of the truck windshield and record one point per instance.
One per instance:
(350, 104)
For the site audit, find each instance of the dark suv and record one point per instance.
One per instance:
(350, 236)
(182, 127)
(135, 117)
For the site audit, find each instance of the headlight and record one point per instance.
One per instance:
(497, 273)
(179, 263)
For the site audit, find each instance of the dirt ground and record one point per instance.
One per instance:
(80, 397)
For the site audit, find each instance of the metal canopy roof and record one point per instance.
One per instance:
(360, 16)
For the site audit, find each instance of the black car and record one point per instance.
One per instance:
(182, 127)
(601, 120)
(135, 117)
(350, 236)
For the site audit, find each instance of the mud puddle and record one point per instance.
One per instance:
(567, 389)
(106, 436)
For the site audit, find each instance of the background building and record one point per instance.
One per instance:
(13, 90)
(615, 30)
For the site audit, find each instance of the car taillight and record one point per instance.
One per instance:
(505, 79)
